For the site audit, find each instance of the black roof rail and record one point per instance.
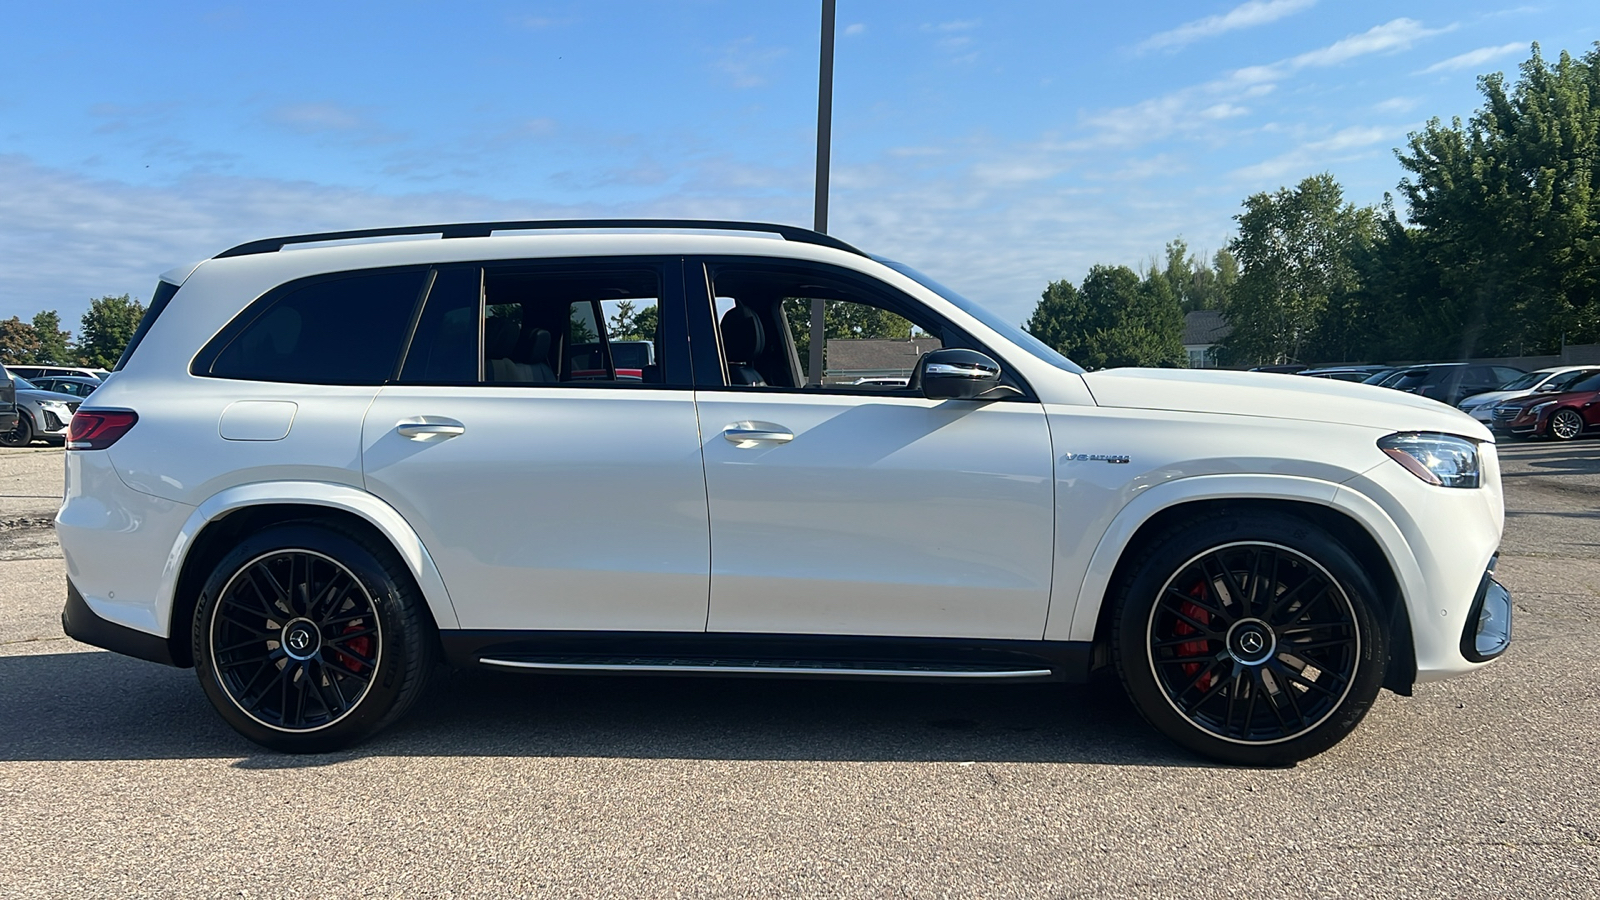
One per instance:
(484, 229)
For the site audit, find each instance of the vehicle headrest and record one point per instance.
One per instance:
(500, 337)
(742, 336)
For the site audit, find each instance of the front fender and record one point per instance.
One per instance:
(1078, 623)
(379, 514)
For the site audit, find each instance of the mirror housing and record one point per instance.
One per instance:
(956, 374)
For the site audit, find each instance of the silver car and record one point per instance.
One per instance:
(41, 415)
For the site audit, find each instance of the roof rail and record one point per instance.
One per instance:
(484, 229)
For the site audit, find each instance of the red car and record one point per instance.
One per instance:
(1564, 416)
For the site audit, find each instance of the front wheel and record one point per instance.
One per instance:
(1566, 424)
(19, 436)
(1250, 638)
(309, 638)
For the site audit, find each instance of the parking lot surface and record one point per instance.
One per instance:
(117, 779)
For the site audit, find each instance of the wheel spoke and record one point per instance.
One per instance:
(1202, 627)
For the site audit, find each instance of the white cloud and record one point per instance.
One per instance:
(1314, 156)
(1187, 110)
(1397, 105)
(957, 25)
(746, 64)
(1245, 15)
(855, 29)
(1475, 58)
(308, 118)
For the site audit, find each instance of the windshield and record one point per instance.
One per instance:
(24, 384)
(1007, 330)
(1526, 382)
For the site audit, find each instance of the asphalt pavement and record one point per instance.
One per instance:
(117, 779)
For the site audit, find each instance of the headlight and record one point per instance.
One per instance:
(1441, 459)
(56, 407)
(1540, 407)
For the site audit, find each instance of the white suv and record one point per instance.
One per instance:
(319, 471)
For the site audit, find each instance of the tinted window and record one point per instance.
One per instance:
(444, 349)
(158, 303)
(341, 330)
(1592, 383)
(1503, 374)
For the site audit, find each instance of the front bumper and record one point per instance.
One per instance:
(1488, 631)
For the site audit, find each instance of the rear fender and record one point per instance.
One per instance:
(380, 515)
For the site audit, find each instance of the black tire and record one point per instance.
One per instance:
(1244, 666)
(1565, 425)
(21, 435)
(309, 638)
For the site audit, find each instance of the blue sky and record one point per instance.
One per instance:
(997, 146)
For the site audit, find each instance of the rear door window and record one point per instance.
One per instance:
(343, 329)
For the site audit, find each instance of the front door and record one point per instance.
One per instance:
(557, 484)
(850, 504)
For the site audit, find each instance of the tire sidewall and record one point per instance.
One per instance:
(396, 645)
(1161, 562)
(22, 434)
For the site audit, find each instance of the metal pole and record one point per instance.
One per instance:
(824, 144)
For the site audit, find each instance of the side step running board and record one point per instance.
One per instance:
(785, 667)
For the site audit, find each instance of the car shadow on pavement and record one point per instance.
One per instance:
(101, 706)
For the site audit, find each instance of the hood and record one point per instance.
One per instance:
(47, 397)
(1495, 397)
(1278, 397)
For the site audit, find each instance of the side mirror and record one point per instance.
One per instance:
(956, 374)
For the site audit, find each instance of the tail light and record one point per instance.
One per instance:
(97, 429)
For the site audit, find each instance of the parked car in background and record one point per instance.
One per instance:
(76, 385)
(41, 415)
(1553, 380)
(1563, 417)
(1449, 382)
(1346, 373)
(1290, 369)
(33, 372)
(8, 402)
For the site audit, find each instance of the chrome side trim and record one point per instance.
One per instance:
(766, 670)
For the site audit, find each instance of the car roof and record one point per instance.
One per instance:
(457, 230)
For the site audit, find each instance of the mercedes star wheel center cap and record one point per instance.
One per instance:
(1251, 642)
(301, 639)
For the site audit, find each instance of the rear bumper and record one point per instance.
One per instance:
(81, 623)
(8, 419)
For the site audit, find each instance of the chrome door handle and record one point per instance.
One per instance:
(422, 431)
(750, 433)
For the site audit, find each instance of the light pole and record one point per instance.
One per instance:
(824, 142)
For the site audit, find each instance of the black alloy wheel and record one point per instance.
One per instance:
(1251, 639)
(308, 638)
(1566, 424)
(19, 436)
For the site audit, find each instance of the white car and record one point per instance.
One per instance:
(1553, 380)
(321, 471)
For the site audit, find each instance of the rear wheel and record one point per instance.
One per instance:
(1250, 638)
(19, 436)
(1566, 424)
(309, 638)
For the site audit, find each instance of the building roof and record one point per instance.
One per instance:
(1205, 326)
(877, 356)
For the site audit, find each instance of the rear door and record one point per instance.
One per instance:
(851, 504)
(554, 488)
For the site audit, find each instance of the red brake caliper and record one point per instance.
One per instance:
(1199, 648)
(363, 646)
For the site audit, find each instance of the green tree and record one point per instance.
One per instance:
(1503, 250)
(106, 329)
(53, 341)
(1298, 250)
(843, 320)
(19, 343)
(1115, 319)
